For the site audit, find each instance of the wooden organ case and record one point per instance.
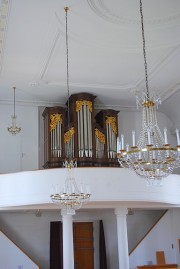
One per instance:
(90, 139)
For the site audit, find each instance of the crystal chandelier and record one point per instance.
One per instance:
(14, 129)
(71, 197)
(151, 156)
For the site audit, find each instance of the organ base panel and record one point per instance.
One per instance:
(90, 139)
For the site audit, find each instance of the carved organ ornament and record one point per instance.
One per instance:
(90, 139)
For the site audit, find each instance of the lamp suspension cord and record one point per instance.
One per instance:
(144, 51)
(14, 102)
(67, 70)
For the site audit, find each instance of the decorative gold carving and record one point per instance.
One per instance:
(66, 9)
(68, 135)
(112, 121)
(100, 136)
(79, 105)
(148, 104)
(54, 119)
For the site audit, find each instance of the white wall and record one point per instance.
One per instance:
(175, 220)
(33, 233)
(171, 107)
(141, 222)
(12, 257)
(108, 185)
(19, 152)
(163, 237)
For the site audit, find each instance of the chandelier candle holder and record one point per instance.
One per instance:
(151, 157)
(14, 129)
(71, 197)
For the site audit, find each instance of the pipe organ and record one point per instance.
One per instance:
(90, 139)
(100, 142)
(108, 121)
(82, 115)
(54, 152)
(69, 142)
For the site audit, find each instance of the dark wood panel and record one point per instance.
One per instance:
(83, 245)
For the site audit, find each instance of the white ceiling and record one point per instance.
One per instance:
(105, 49)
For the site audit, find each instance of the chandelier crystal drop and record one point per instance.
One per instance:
(151, 157)
(71, 197)
(14, 129)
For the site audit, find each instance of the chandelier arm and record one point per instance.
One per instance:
(144, 51)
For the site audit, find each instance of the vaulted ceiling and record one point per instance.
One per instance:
(105, 49)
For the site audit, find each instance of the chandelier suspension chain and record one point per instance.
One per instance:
(14, 102)
(67, 72)
(144, 51)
